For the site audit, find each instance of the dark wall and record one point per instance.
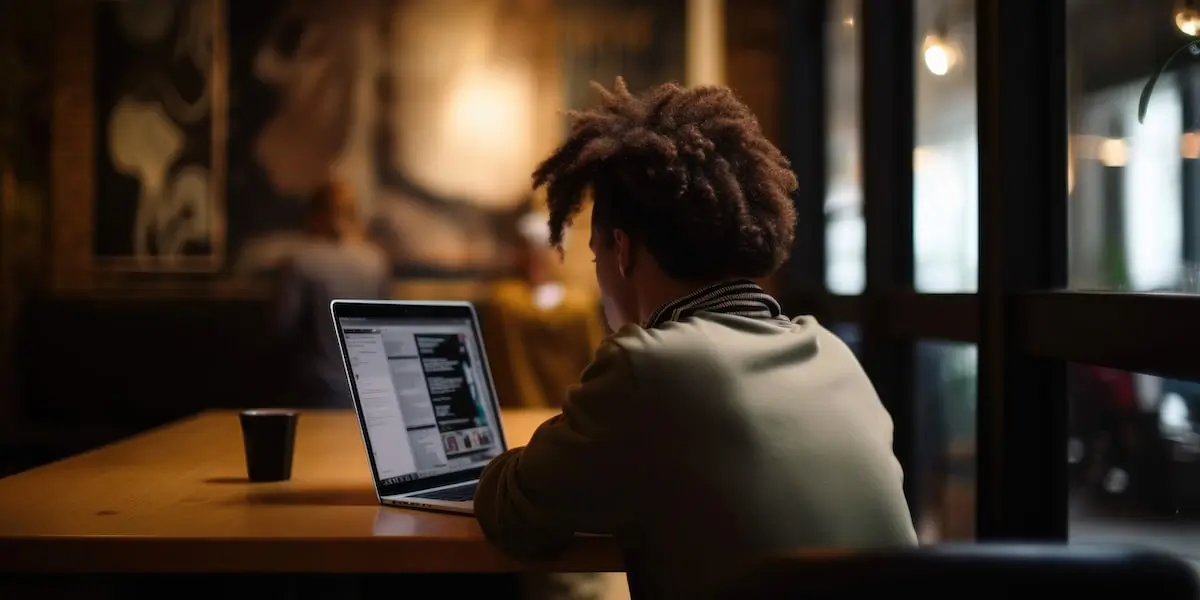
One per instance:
(144, 362)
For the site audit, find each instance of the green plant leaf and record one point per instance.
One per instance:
(1144, 100)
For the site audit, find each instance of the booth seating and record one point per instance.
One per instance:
(970, 571)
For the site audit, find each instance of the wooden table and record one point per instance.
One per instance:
(175, 500)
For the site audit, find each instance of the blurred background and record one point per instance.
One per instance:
(158, 159)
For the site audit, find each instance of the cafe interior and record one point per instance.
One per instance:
(998, 211)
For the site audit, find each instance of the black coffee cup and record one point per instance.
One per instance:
(269, 437)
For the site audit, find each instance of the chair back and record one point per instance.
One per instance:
(976, 571)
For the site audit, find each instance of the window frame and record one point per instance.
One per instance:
(1026, 325)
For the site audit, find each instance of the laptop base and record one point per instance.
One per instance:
(447, 506)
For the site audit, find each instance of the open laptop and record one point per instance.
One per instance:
(424, 396)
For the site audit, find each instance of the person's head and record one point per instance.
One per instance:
(333, 213)
(686, 191)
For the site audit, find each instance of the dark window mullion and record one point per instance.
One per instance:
(887, 105)
(1022, 484)
(804, 138)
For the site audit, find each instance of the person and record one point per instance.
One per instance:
(340, 262)
(709, 429)
(536, 262)
(543, 329)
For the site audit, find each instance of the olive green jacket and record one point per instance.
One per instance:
(702, 444)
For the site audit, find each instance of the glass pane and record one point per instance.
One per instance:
(845, 241)
(1132, 185)
(1134, 456)
(850, 333)
(945, 471)
(945, 160)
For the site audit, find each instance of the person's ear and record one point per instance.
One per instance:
(623, 250)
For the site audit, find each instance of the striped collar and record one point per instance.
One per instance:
(740, 297)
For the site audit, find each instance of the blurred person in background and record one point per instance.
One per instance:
(542, 329)
(339, 262)
(538, 262)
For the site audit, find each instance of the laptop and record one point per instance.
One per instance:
(424, 397)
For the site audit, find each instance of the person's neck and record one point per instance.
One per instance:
(651, 297)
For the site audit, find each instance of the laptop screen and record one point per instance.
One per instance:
(425, 401)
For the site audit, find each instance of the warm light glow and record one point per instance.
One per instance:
(484, 136)
(705, 59)
(1188, 21)
(482, 107)
(848, 21)
(1113, 152)
(921, 159)
(939, 56)
(1070, 165)
(1189, 147)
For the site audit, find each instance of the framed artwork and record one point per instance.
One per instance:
(160, 99)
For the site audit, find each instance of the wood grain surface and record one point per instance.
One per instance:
(176, 500)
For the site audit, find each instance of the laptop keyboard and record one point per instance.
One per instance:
(461, 493)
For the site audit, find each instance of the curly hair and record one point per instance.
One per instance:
(685, 172)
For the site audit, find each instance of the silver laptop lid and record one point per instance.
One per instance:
(422, 389)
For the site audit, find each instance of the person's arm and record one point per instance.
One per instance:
(577, 473)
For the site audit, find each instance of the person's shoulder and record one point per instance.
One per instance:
(699, 331)
(297, 264)
(681, 345)
(360, 257)
(706, 341)
(634, 339)
(364, 251)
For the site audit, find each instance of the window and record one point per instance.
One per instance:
(1133, 444)
(945, 260)
(845, 233)
(851, 334)
(1132, 185)
(945, 426)
(945, 164)
(1134, 454)
(1075, 173)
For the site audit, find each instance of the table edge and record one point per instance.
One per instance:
(112, 554)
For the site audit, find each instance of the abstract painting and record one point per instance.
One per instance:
(217, 121)
(159, 136)
(422, 106)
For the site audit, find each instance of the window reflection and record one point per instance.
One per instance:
(945, 394)
(851, 334)
(1126, 208)
(1133, 190)
(945, 163)
(1134, 456)
(1134, 439)
(845, 240)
